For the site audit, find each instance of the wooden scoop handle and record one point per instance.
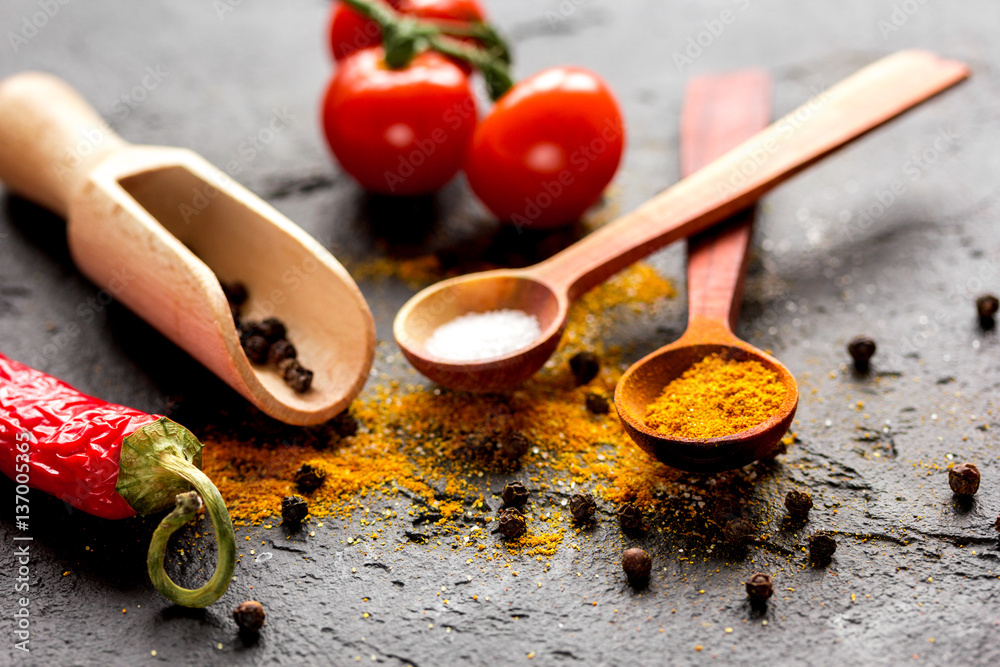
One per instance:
(50, 139)
(720, 112)
(730, 184)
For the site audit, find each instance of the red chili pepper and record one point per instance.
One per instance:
(113, 462)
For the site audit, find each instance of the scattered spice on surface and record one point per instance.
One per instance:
(798, 504)
(294, 510)
(630, 518)
(861, 349)
(964, 479)
(478, 336)
(637, 566)
(512, 523)
(515, 494)
(308, 478)
(822, 546)
(759, 587)
(987, 306)
(598, 404)
(717, 397)
(582, 507)
(250, 616)
(585, 366)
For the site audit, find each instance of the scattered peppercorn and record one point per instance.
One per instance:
(737, 532)
(598, 404)
(236, 293)
(861, 349)
(512, 523)
(996, 524)
(798, 504)
(986, 307)
(964, 479)
(759, 587)
(345, 424)
(294, 510)
(281, 350)
(822, 546)
(637, 565)
(309, 478)
(273, 329)
(582, 506)
(249, 616)
(235, 312)
(513, 446)
(256, 348)
(514, 494)
(630, 518)
(585, 366)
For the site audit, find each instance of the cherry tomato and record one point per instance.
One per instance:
(402, 132)
(548, 149)
(351, 32)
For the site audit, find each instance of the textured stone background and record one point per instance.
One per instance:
(913, 565)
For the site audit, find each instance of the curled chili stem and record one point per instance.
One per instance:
(187, 506)
(405, 37)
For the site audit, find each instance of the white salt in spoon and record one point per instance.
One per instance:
(730, 184)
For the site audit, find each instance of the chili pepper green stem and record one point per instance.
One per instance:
(495, 71)
(187, 507)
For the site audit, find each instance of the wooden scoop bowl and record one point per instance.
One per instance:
(719, 112)
(158, 228)
(728, 185)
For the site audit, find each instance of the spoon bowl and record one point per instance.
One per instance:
(478, 293)
(723, 188)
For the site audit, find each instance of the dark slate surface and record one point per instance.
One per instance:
(920, 565)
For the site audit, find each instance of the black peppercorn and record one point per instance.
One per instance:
(861, 349)
(582, 506)
(250, 616)
(294, 510)
(585, 366)
(295, 376)
(345, 424)
(822, 546)
(637, 565)
(256, 348)
(281, 350)
(514, 446)
(759, 587)
(236, 293)
(598, 404)
(514, 494)
(986, 307)
(630, 518)
(512, 523)
(798, 504)
(996, 524)
(309, 478)
(964, 479)
(235, 312)
(273, 329)
(737, 532)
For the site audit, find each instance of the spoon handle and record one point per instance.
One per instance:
(739, 178)
(720, 112)
(50, 139)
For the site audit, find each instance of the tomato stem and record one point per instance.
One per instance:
(405, 37)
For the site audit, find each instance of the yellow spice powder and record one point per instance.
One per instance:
(717, 397)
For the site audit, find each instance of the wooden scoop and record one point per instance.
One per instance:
(730, 184)
(158, 228)
(718, 113)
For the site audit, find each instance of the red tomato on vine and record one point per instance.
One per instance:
(399, 131)
(548, 149)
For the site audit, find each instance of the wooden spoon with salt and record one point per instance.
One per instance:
(728, 185)
(157, 228)
(719, 112)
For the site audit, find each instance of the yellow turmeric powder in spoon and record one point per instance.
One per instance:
(716, 397)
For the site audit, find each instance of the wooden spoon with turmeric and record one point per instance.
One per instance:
(710, 401)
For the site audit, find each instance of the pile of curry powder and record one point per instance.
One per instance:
(425, 444)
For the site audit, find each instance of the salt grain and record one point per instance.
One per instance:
(483, 335)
